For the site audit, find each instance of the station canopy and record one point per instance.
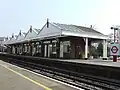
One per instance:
(58, 30)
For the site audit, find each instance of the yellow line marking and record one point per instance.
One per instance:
(25, 77)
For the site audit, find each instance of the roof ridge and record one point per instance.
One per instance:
(55, 24)
(89, 28)
(77, 28)
(65, 26)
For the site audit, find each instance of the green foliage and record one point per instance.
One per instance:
(93, 52)
(100, 49)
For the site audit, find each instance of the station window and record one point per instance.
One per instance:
(38, 48)
(66, 46)
(20, 49)
(26, 48)
(54, 48)
(29, 49)
(37, 43)
(50, 47)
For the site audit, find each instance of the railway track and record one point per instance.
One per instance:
(80, 80)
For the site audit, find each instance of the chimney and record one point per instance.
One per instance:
(6, 38)
(20, 33)
(30, 28)
(91, 26)
(47, 23)
(13, 35)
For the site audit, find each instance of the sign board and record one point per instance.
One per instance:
(115, 49)
(46, 42)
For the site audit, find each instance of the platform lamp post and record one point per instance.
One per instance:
(114, 56)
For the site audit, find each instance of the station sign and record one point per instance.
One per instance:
(46, 42)
(115, 49)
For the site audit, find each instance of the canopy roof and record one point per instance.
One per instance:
(57, 30)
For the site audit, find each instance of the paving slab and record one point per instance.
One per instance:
(95, 62)
(12, 81)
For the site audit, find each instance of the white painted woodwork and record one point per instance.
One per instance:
(86, 47)
(48, 32)
(45, 51)
(49, 50)
(61, 49)
(104, 49)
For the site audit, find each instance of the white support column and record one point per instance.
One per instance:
(33, 50)
(26, 48)
(48, 50)
(13, 50)
(61, 49)
(45, 51)
(86, 48)
(104, 50)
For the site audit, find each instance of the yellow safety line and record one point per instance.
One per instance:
(25, 77)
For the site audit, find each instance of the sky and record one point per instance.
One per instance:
(16, 15)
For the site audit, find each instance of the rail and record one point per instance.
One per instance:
(81, 80)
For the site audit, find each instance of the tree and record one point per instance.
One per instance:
(100, 49)
(93, 52)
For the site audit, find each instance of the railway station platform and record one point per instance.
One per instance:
(16, 78)
(100, 62)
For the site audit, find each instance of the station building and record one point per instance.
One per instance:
(56, 40)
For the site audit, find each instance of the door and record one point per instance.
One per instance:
(78, 53)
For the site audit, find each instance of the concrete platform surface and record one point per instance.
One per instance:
(15, 78)
(95, 62)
